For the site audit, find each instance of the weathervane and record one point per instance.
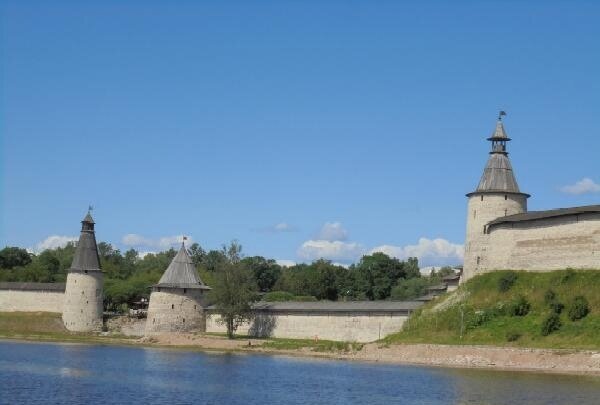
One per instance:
(501, 114)
(90, 208)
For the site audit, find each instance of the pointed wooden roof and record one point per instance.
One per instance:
(181, 273)
(86, 255)
(498, 175)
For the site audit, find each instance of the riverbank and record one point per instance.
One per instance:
(575, 362)
(48, 328)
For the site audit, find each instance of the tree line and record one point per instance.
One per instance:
(129, 276)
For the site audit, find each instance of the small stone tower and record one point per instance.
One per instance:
(177, 301)
(497, 195)
(82, 308)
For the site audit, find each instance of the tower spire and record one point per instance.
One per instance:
(498, 175)
(499, 137)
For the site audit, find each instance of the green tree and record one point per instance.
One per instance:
(233, 289)
(376, 274)
(197, 254)
(408, 289)
(266, 271)
(14, 257)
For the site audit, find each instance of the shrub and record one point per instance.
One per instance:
(500, 309)
(519, 307)
(512, 336)
(551, 300)
(567, 276)
(278, 296)
(506, 281)
(557, 307)
(549, 297)
(479, 318)
(305, 298)
(579, 308)
(551, 323)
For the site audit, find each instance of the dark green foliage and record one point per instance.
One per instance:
(550, 324)
(557, 307)
(549, 296)
(506, 281)
(14, 257)
(376, 274)
(278, 296)
(519, 307)
(551, 299)
(579, 308)
(234, 290)
(305, 298)
(266, 271)
(567, 276)
(408, 289)
(478, 318)
(512, 336)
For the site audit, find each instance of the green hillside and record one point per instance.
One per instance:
(559, 309)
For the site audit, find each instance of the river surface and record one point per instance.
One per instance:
(41, 373)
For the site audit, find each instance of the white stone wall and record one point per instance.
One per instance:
(82, 309)
(546, 244)
(355, 327)
(482, 209)
(31, 301)
(173, 310)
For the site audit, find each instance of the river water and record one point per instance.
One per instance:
(41, 373)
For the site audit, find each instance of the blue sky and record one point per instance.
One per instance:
(302, 129)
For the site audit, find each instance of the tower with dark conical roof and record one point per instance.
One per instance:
(497, 195)
(178, 299)
(83, 302)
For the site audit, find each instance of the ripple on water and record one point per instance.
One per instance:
(74, 374)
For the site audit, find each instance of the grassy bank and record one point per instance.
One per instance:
(506, 308)
(45, 326)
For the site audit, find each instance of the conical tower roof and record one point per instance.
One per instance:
(181, 273)
(498, 175)
(86, 255)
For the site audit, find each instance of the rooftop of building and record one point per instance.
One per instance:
(538, 215)
(86, 254)
(498, 175)
(337, 306)
(181, 273)
(21, 286)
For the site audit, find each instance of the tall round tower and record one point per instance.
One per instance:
(497, 195)
(177, 302)
(82, 308)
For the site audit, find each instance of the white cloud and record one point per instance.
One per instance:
(52, 242)
(282, 227)
(285, 263)
(141, 255)
(583, 186)
(333, 231)
(132, 239)
(165, 242)
(331, 250)
(431, 252)
(277, 228)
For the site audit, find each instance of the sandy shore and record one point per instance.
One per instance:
(484, 357)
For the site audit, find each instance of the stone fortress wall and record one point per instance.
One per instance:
(83, 301)
(348, 327)
(14, 297)
(545, 244)
(176, 310)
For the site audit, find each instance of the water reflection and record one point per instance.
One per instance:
(73, 374)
